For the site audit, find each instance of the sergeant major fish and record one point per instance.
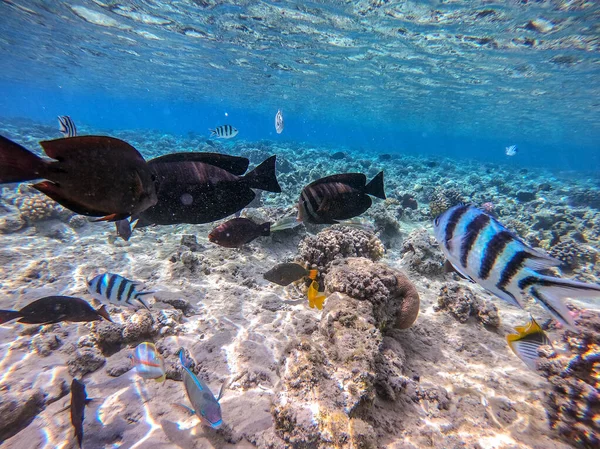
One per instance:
(116, 289)
(206, 406)
(279, 121)
(526, 342)
(224, 132)
(483, 250)
(148, 363)
(66, 126)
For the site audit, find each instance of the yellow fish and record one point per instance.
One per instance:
(315, 299)
(525, 344)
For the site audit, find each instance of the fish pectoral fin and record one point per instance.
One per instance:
(112, 217)
(184, 408)
(324, 206)
(224, 385)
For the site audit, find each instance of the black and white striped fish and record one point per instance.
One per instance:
(116, 289)
(483, 250)
(224, 132)
(279, 121)
(526, 342)
(67, 126)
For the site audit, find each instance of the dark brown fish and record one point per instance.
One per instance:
(204, 187)
(237, 232)
(123, 229)
(338, 197)
(285, 273)
(53, 309)
(96, 176)
(79, 400)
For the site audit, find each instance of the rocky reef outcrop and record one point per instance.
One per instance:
(462, 304)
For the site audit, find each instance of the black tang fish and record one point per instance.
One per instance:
(338, 197)
(285, 273)
(483, 250)
(204, 187)
(90, 175)
(79, 400)
(237, 232)
(53, 309)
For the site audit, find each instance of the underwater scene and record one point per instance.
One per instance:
(300, 224)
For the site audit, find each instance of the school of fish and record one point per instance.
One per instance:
(107, 178)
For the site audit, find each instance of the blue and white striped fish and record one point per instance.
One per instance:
(116, 289)
(67, 126)
(224, 132)
(483, 250)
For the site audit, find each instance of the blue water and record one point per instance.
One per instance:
(457, 80)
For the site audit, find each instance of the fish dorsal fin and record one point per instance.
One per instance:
(80, 146)
(523, 331)
(233, 164)
(354, 180)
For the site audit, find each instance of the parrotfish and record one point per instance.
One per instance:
(117, 290)
(66, 126)
(79, 400)
(54, 309)
(484, 251)
(338, 197)
(204, 187)
(285, 273)
(96, 176)
(237, 232)
(279, 121)
(526, 342)
(206, 406)
(224, 132)
(148, 363)
(315, 298)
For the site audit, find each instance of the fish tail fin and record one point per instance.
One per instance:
(139, 295)
(285, 223)
(266, 229)
(213, 132)
(263, 177)
(312, 274)
(375, 186)
(185, 361)
(104, 313)
(551, 292)
(18, 164)
(9, 315)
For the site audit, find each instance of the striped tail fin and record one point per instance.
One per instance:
(551, 292)
(138, 296)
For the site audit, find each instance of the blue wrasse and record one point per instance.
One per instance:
(206, 406)
(148, 363)
(483, 250)
(526, 341)
(116, 289)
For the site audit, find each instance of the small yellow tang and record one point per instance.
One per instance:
(315, 298)
(148, 363)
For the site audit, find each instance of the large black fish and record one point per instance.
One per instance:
(91, 175)
(53, 309)
(79, 400)
(204, 187)
(338, 197)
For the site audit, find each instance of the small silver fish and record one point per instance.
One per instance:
(279, 121)
(224, 132)
(148, 363)
(116, 289)
(511, 150)
(66, 126)
(206, 406)
(526, 342)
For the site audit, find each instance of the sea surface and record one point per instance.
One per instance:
(432, 93)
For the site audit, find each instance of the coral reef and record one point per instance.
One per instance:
(421, 253)
(573, 404)
(34, 207)
(337, 242)
(443, 199)
(462, 304)
(585, 198)
(572, 254)
(394, 299)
